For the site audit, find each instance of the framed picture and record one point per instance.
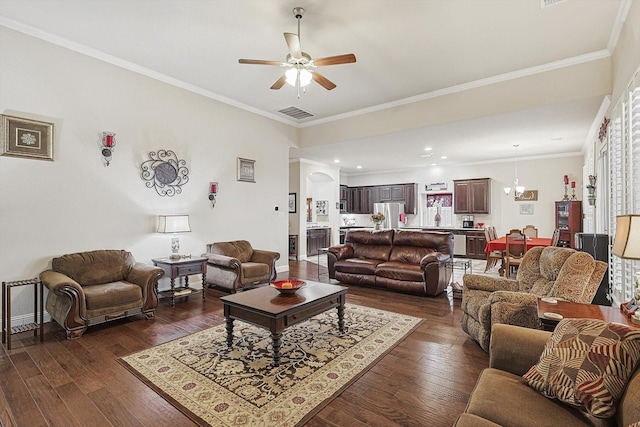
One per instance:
(526, 209)
(246, 170)
(292, 203)
(26, 138)
(321, 207)
(527, 196)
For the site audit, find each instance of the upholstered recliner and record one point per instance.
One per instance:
(88, 288)
(544, 272)
(235, 266)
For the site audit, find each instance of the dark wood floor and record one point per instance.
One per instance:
(424, 381)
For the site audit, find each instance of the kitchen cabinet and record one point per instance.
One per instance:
(472, 196)
(293, 246)
(318, 238)
(476, 243)
(344, 190)
(360, 200)
(568, 221)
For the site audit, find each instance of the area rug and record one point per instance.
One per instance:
(238, 386)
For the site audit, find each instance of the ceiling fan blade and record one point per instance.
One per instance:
(335, 60)
(293, 42)
(259, 62)
(278, 84)
(323, 81)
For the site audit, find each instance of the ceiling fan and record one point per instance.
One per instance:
(300, 65)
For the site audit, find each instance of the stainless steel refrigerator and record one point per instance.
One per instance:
(393, 212)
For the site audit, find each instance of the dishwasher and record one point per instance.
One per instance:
(459, 243)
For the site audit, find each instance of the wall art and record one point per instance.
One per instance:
(246, 170)
(165, 173)
(321, 207)
(292, 203)
(26, 138)
(527, 196)
(526, 209)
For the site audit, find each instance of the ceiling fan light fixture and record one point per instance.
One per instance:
(292, 76)
(305, 77)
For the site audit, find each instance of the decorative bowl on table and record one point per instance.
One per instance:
(288, 286)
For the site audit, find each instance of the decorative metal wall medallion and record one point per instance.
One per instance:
(165, 172)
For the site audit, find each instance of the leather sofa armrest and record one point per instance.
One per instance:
(222, 261)
(342, 251)
(433, 257)
(489, 284)
(55, 282)
(514, 349)
(264, 257)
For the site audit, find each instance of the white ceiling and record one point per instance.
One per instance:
(404, 49)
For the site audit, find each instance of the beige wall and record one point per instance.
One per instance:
(75, 203)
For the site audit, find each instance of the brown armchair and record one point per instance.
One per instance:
(235, 266)
(88, 288)
(544, 272)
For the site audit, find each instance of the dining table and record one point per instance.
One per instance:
(500, 245)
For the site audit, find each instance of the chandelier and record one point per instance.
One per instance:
(518, 189)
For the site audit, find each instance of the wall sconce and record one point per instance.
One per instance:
(213, 192)
(591, 188)
(174, 224)
(108, 145)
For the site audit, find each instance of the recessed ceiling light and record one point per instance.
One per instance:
(426, 155)
(359, 167)
(443, 157)
(336, 161)
(434, 164)
(428, 149)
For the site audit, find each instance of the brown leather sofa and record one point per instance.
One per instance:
(88, 288)
(410, 261)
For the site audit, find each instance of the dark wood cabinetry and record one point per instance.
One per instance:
(360, 200)
(476, 243)
(317, 238)
(472, 196)
(568, 221)
(293, 246)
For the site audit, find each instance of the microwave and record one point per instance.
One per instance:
(467, 224)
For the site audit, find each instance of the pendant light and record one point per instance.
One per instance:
(519, 189)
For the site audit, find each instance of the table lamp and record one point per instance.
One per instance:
(626, 245)
(174, 224)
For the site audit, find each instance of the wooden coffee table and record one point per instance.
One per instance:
(265, 307)
(576, 310)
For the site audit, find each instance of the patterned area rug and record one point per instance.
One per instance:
(238, 386)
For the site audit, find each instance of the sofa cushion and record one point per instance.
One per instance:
(95, 267)
(368, 245)
(400, 271)
(255, 269)
(502, 397)
(571, 280)
(357, 265)
(111, 295)
(587, 363)
(239, 249)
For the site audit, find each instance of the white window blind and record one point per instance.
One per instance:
(623, 153)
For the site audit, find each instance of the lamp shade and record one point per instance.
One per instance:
(627, 241)
(173, 224)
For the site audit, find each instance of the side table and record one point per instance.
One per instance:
(183, 267)
(573, 309)
(7, 330)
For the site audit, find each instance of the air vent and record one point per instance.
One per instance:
(295, 112)
(548, 3)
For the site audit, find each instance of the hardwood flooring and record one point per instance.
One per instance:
(425, 381)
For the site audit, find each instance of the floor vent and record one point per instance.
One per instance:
(548, 3)
(295, 112)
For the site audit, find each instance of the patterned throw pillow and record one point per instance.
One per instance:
(587, 363)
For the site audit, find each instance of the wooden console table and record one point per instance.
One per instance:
(183, 267)
(7, 330)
